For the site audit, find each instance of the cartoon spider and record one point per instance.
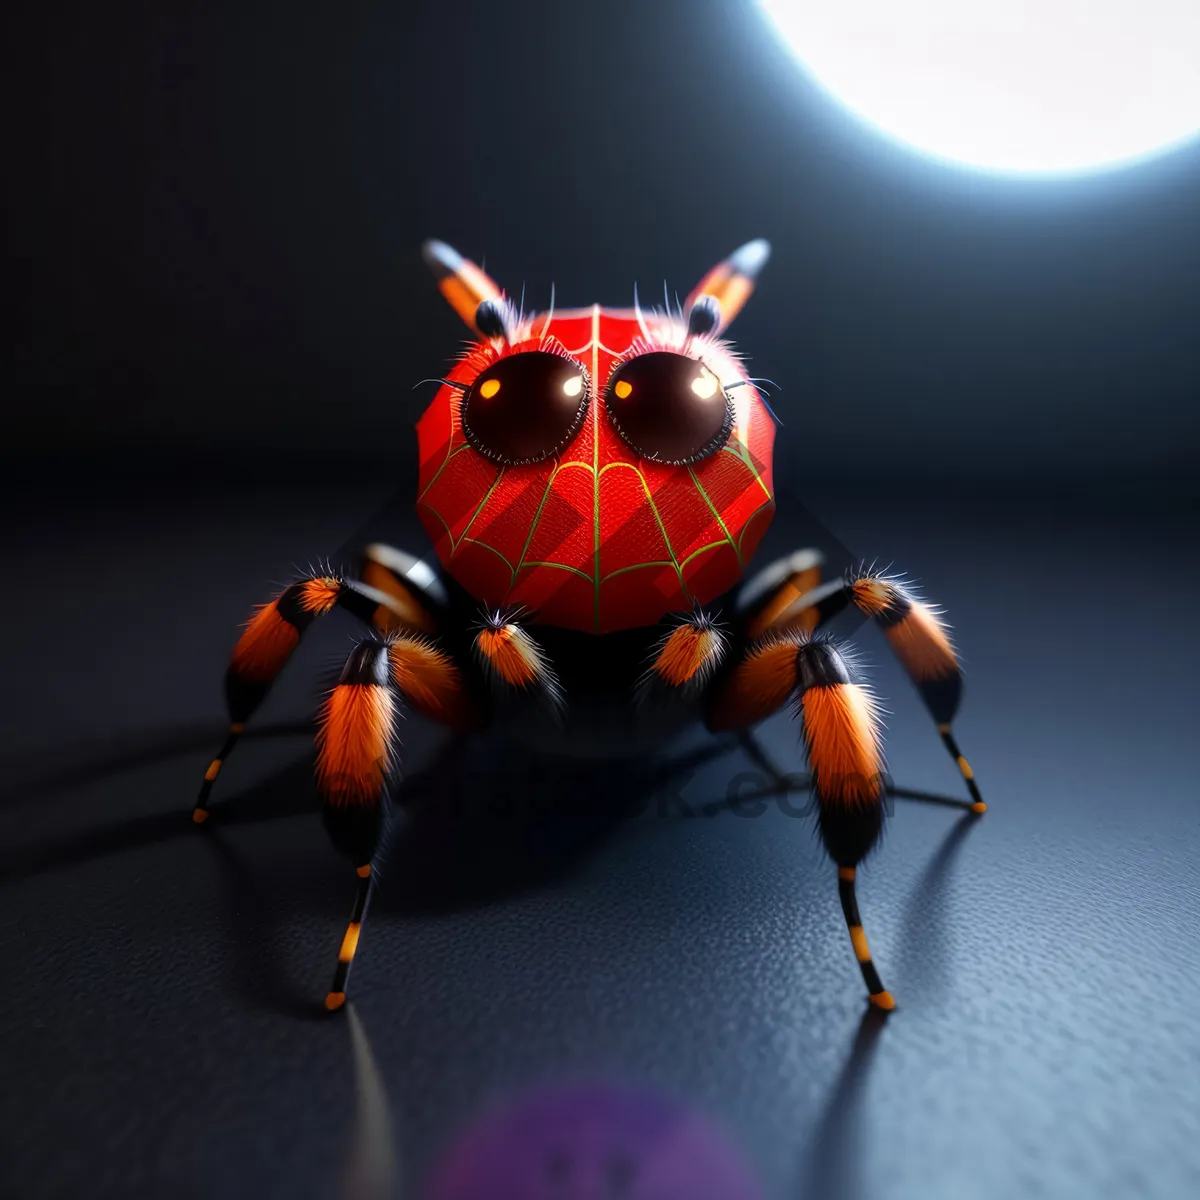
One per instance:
(595, 482)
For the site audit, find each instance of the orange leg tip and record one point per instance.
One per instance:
(237, 727)
(846, 873)
(335, 1000)
(979, 808)
(882, 1000)
(199, 815)
(363, 872)
(349, 943)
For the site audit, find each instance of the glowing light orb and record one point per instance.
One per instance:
(706, 384)
(1027, 86)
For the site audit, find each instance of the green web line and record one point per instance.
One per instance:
(712, 508)
(454, 545)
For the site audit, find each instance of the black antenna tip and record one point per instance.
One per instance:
(490, 319)
(705, 317)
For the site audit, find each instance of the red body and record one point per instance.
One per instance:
(597, 539)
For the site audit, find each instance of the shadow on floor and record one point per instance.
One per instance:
(485, 820)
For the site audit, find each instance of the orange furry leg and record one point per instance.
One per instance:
(845, 752)
(403, 578)
(841, 729)
(788, 597)
(684, 660)
(758, 686)
(267, 642)
(273, 633)
(431, 683)
(515, 663)
(354, 759)
(920, 639)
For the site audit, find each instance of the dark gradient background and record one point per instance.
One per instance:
(215, 312)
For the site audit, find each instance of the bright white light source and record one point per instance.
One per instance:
(705, 384)
(1011, 85)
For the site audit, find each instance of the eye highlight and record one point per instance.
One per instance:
(525, 407)
(668, 407)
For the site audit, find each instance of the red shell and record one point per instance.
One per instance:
(596, 538)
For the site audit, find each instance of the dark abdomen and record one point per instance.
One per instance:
(601, 715)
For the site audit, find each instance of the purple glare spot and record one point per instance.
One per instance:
(591, 1142)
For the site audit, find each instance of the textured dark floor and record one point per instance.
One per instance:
(157, 1027)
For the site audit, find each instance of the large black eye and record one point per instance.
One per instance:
(669, 408)
(525, 407)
